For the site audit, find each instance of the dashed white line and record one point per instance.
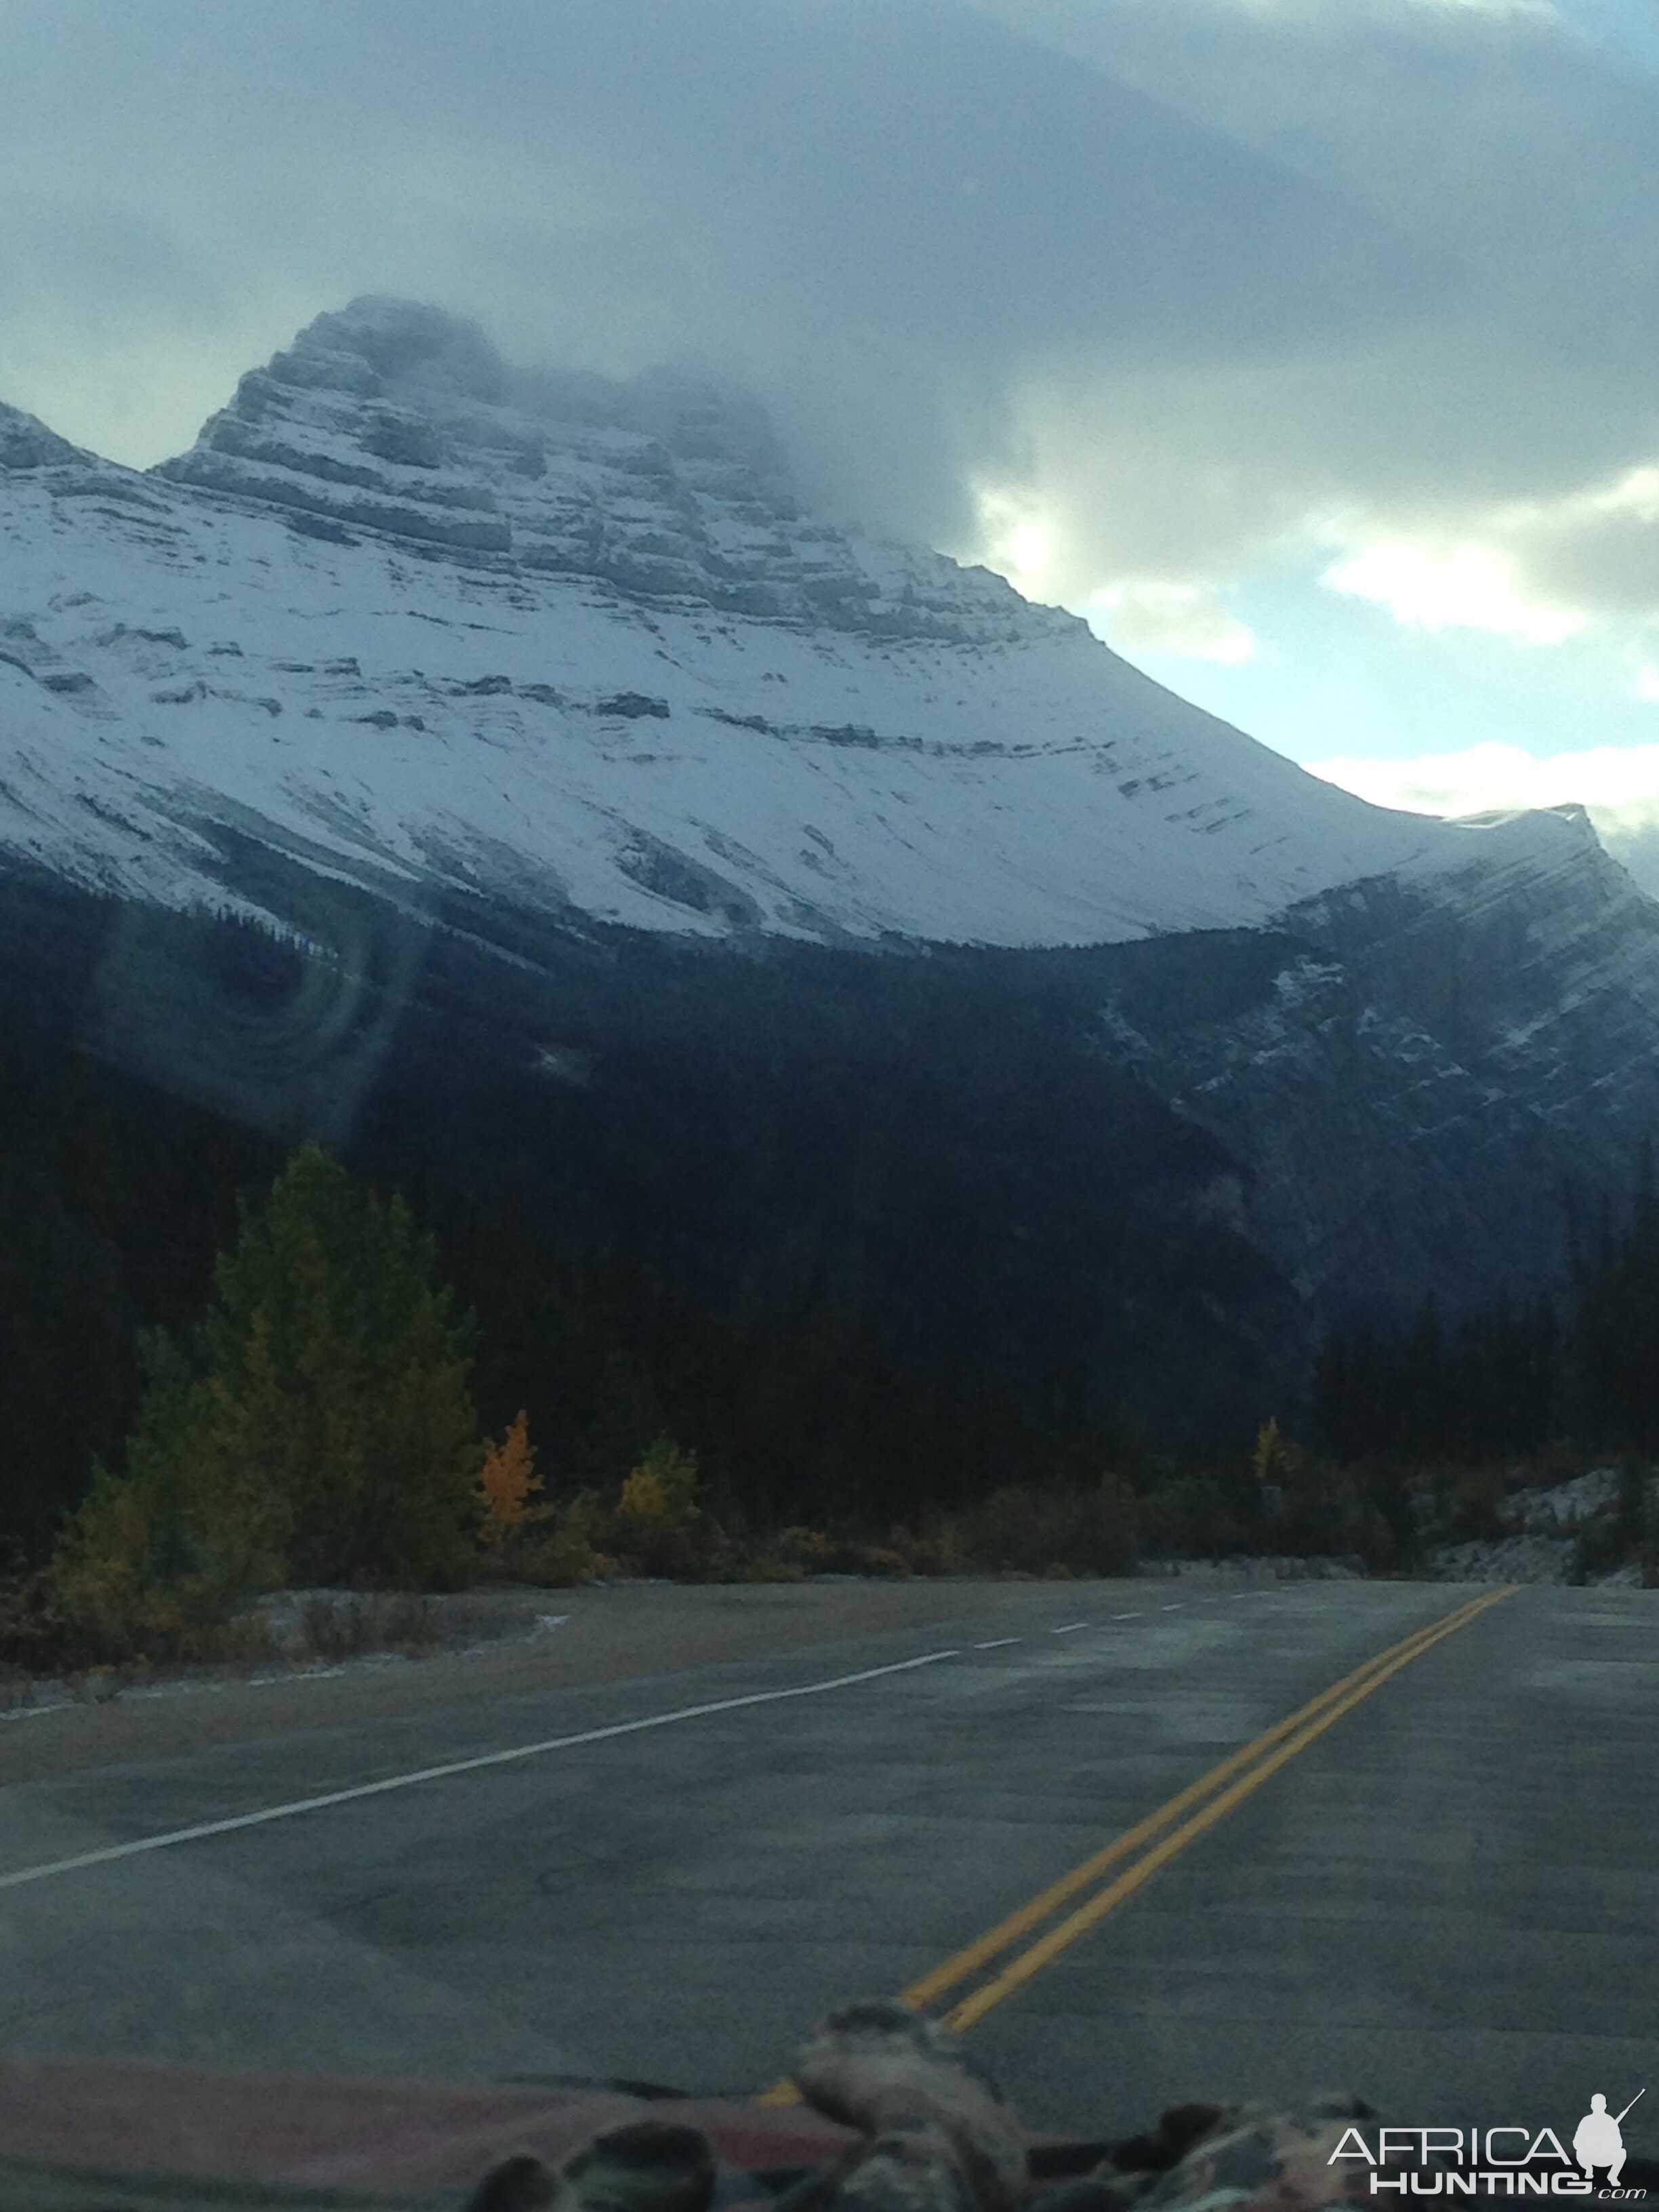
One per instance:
(291, 1810)
(288, 1812)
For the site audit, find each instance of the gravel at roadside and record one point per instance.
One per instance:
(514, 1642)
(605, 1633)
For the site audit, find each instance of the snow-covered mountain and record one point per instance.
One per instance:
(516, 699)
(428, 622)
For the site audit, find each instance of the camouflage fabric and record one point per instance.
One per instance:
(647, 2167)
(1213, 2156)
(934, 2119)
(940, 2137)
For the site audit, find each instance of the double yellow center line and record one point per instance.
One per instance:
(1206, 1802)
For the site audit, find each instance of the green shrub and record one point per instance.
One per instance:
(935, 1548)
(1188, 1517)
(1024, 1529)
(657, 1527)
(813, 1552)
(348, 1624)
(1473, 1507)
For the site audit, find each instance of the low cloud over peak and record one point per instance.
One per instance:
(1139, 299)
(898, 218)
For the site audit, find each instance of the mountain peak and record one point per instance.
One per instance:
(399, 418)
(376, 346)
(432, 618)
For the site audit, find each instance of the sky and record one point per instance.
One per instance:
(1309, 348)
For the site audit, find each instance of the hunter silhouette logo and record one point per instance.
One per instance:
(1510, 2161)
(1597, 2142)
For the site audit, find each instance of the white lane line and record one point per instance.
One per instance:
(1176, 1608)
(1128, 1616)
(1069, 1627)
(997, 1642)
(455, 1767)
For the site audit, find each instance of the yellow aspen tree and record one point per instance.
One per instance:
(507, 1483)
(644, 1498)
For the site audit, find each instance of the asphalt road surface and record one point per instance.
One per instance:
(1441, 1888)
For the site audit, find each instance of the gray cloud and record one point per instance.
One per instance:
(1504, 142)
(1194, 277)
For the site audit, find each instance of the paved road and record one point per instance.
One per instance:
(1449, 1899)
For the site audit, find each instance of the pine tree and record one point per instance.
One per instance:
(342, 1376)
(1616, 1333)
(319, 1427)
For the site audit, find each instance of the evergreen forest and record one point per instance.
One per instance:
(158, 1326)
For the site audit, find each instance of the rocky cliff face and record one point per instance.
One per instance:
(26, 443)
(400, 418)
(1426, 1071)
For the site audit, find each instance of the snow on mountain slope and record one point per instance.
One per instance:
(425, 621)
